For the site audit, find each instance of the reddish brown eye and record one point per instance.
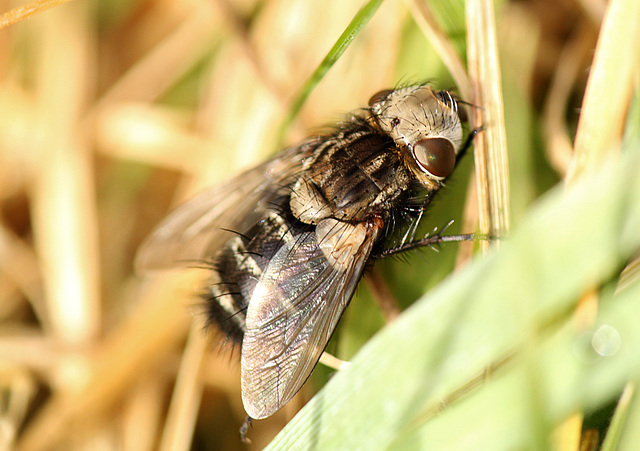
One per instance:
(436, 156)
(379, 96)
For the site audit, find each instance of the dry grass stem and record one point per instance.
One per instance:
(167, 61)
(185, 401)
(333, 362)
(23, 12)
(424, 18)
(143, 414)
(385, 299)
(608, 92)
(630, 275)
(137, 346)
(64, 210)
(491, 159)
(559, 142)
(113, 112)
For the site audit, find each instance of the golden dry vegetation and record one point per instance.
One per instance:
(113, 112)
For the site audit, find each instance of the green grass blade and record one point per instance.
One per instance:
(360, 20)
(629, 438)
(618, 422)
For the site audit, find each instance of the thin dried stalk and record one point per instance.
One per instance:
(183, 411)
(424, 18)
(630, 275)
(385, 299)
(333, 362)
(65, 211)
(142, 414)
(165, 63)
(492, 169)
(609, 87)
(25, 11)
(567, 436)
(155, 327)
(559, 146)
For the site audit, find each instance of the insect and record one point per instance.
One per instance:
(289, 240)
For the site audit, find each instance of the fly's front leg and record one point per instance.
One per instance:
(246, 424)
(436, 237)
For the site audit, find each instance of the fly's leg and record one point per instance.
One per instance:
(436, 237)
(244, 429)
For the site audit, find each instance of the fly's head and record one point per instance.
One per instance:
(426, 127)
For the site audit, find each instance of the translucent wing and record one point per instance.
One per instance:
(195, 229)
(295, 308)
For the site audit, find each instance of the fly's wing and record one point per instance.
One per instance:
(295, 308)
(195, 229)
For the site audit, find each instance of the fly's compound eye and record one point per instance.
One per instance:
(436, 156)
(379, 96)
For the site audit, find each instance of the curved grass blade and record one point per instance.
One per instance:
(360, 20)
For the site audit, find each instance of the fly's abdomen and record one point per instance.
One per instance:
(239, 265)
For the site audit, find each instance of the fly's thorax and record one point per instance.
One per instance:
(356, 174)
(425, 126)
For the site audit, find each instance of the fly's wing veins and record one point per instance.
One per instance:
(192, 232)
(295, 308)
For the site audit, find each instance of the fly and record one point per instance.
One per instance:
(289, 240)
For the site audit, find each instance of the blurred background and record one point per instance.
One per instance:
(112, 113)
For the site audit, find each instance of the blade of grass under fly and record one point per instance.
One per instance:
(360, 20)
(629, 438)
(619, 420)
